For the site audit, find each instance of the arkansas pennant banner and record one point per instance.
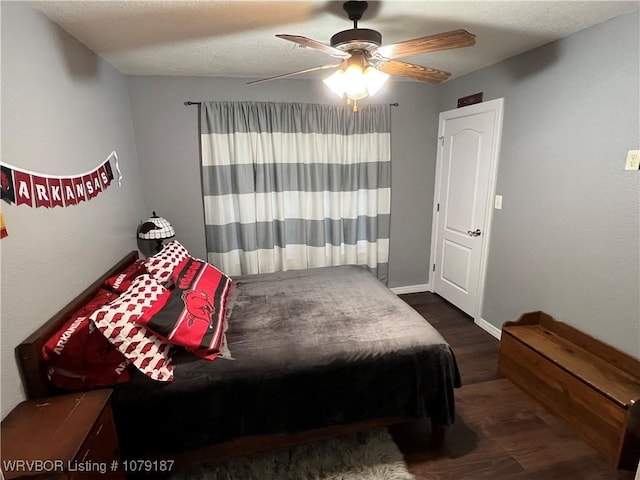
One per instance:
(23, 187)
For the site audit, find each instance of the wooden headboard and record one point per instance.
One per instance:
(29, 353)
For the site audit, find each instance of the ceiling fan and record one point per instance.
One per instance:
(361, 54)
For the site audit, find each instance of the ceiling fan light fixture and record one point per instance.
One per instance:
(335, 82)
(354, 83)
(374, 79)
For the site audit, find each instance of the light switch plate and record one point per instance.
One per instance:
(498, 203)
(633, 160)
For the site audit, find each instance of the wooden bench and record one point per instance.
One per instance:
(590, 385)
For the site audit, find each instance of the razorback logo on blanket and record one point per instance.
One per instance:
(194, 316)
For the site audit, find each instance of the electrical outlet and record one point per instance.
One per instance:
(633, 160)
(498, 203)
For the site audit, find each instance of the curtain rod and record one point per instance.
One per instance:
(189, 102)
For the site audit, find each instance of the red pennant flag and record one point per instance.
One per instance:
(68, 191)
(6, 183)
(79, 186)
(97, 185)
(89, 190)
(105, 174)
(41, 192)
(55, 189)
(24, 191)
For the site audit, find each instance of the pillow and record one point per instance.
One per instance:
(78, 356)
(116, 321)
(194, 317)
(162, 264)
(120, 282)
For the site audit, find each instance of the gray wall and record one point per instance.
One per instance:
(63, 111)
(567, 239)
(166, 133)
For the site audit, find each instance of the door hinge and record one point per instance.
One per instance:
(441, 140)
(434, 267)
(438, 207)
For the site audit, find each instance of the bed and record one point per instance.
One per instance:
(326, 349)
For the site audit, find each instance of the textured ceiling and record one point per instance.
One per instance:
(237, 38)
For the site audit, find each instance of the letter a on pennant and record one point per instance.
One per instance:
(24, 191)
(68, 191)
(97, 185)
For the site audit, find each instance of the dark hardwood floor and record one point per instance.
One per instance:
(499, 432)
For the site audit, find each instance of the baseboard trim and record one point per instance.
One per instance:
(487, 327)
(424, 287)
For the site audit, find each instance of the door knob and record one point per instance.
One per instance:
(475, 233)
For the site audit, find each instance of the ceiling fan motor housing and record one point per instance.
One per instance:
(356, 38)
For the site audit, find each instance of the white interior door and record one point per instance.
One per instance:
(465, 185)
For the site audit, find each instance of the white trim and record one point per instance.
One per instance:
(487, 327)
(496, 106)
(435, 212)
(424, 287)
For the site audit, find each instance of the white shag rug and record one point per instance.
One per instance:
(343, 458)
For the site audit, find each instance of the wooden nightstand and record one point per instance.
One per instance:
(67, 437)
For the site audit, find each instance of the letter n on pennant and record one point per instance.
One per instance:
(79, 186)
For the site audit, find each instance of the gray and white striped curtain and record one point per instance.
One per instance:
(291, 186)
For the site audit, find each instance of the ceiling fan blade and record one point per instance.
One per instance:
(284, 75)
(315, 45)
(417, 72)
(433, 43)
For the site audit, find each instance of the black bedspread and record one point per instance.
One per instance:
(311, 348)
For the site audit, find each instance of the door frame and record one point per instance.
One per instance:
(497, 106)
